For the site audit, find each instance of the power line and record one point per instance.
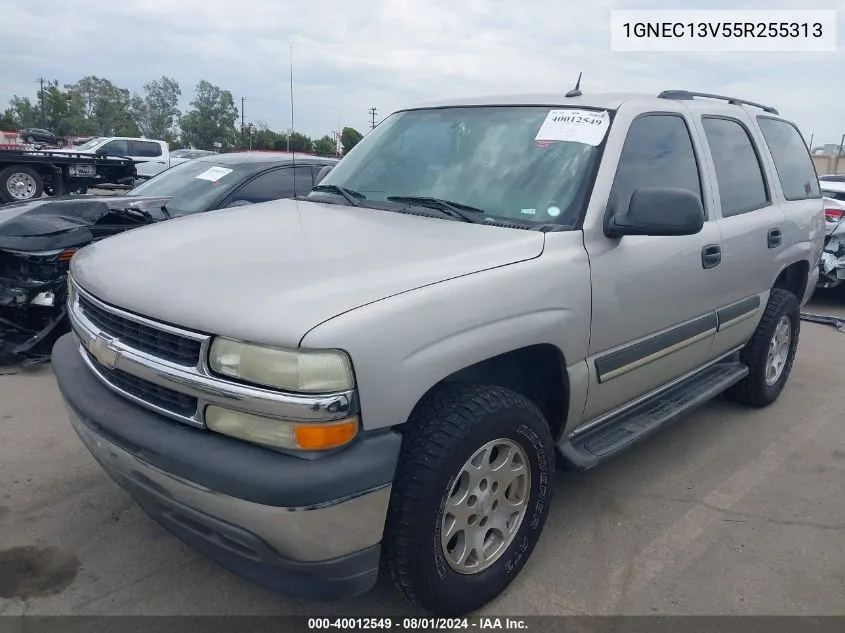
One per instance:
(373, 112)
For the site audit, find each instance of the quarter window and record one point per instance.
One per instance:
(742, 185)
(658, 152)
(795, 168)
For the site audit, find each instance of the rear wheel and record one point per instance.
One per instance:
(771, 352)
(19, 183)
(471, 496)
(29, 140)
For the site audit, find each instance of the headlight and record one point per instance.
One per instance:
(280, 433)
(301, 371)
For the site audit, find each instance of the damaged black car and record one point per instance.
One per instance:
(38, 238)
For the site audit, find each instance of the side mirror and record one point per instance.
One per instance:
(322, 174)
(101, 151)
(658, 211)
(238, 203)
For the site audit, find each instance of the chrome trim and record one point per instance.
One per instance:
(305, 534)
(604, 417)
(198, 381)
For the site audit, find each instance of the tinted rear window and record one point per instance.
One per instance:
(795, 168)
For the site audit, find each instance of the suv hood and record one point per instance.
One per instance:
(271, 272)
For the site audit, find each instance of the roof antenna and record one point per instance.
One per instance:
(576, 91)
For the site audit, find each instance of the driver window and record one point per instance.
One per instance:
(658, 152)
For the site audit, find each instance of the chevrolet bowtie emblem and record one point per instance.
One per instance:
(101, 349)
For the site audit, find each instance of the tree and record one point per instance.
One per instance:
(301, 143)
(21, 113)
(264, 137)
(211, 118)
(108, 106)
(349, 138)
(158, 113)
(325, 146)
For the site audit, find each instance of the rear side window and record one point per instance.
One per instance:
(145, 148)
(742, 185)
(836, 195)
(658, 152)
(795, 168)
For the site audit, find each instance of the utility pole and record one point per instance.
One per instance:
(40, 80)
(373, 113)
(835, 169)
(242, 121)
(811, 142)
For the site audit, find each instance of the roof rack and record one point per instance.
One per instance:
(685, 95)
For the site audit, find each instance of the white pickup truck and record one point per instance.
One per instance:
(152, 156)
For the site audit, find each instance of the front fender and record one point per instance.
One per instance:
(404, 345)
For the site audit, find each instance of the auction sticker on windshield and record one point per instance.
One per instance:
(577, 126)
(214, 173)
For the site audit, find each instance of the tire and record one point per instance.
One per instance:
(755, 390)
(447, 429)
(20, 183)
(29, 140)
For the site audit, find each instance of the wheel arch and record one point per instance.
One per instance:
(793, 278)
(537, 372)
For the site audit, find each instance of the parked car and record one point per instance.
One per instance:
(38, 238)
(832, 262)
(152, 156)
(832, 178)
(35, 135)
(480, 291)
(181, 155)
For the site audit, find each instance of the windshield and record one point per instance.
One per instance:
(193, 186)
(492, 158)
(89, 144)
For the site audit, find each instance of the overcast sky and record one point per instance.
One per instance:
(350, 55)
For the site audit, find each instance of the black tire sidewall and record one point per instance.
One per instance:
(791, 310)
(452, 590)
(773, 391)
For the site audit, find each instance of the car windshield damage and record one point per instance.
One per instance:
(466, 160)
(193, 186)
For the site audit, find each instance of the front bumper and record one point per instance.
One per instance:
(308, 527)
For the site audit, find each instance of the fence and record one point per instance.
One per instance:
(829, 164)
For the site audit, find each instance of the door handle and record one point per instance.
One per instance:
(774, 238)
(711, 256)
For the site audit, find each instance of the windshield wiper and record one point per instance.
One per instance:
(456, 210)
(352, 197)
(166, 213)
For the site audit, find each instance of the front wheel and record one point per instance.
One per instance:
(471, 495)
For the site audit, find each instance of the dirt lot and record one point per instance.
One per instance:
(730, 511)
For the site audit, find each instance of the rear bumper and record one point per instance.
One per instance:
(274, 531)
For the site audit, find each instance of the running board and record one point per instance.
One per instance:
(595, 446)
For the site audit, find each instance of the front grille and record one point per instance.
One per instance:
(158, 343)
(162, 397)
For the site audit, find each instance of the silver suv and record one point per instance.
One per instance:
(391, 369)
